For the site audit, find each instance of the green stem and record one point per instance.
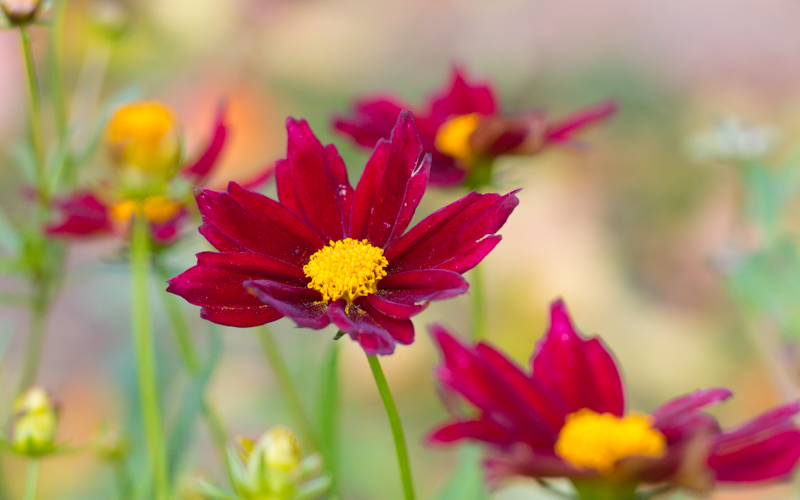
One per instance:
(35, 339)
(191, 360)
(124, 481)
(397, 428)
(287, 387)
(54, 74)
(32, 479)
(145, 354)
(478, 304)
(602, 489)
(35, 110)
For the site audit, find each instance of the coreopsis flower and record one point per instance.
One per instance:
(464, 131)
(143, 141)
(273, 468)
(327, 253)
(33, 428)
(568, 418)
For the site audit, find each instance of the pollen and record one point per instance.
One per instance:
(453, 136)
(346, 269)
(591, 440)
(156, 209)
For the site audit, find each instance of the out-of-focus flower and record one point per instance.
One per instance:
(732, 139)
(568, 419)
(328, 253)
(464, 131)
(20, 12)
(144, 143)
(33, 429)
(110, 445)
(271, 468)
(111, 18)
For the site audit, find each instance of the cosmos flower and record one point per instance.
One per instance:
(144, 144)
(327, 253)
(464, 131)
(568, 418)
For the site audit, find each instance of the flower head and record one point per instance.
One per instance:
(463, 130)
(144, 145)
(35, 421)
(327, 253)
(271, 467)
(568, 418)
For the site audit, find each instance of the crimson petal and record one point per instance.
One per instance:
(200, 169)
(372, 121)
(447, 238)
(222, 297)
(258, 224)
(671, 412)
(755, 456)
(582, 371)
(480, 430)
(376, 332)
(299, 303)
(83, 214)
(462, 99)
(312, 181)
(391, 186)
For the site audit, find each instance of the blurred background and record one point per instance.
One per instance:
(643, 230)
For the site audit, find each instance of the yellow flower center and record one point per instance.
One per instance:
(156, 208)
(346, 269)
(453, 136)
(144, 136)
(597, 441)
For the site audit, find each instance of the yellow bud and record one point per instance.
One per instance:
(281, 449)
(144, 142)
(111, 18)
(35, 420)
(20, 11)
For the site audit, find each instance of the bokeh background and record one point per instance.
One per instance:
(634, 229)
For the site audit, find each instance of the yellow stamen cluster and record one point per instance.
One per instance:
(346, 269)
(144, 136)
(591, 440)
(453, 136)
(156, 208)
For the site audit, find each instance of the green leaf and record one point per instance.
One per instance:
(193, 401)
(327, 413)
(10, 239)
(466, 483)
(211, 491)
(25, 160)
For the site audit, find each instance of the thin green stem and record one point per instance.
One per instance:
(287, 387)
(54, 74)
(123, 479)
(478, 304)
(397, 428)
(35, 111)
(191, 360)
(32, 479)
(35, 339)
(145, 354)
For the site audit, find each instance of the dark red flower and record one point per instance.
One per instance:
(327, 253)
(104, 210)
(463, 130)
(568, 418)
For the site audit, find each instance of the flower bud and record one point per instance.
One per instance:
(144, 144)
(111, 18)
(272, 467)
(34, 426)
(20, 12)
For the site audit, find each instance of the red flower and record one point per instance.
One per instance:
(463, 131)
(568, 418)
(100, 211)
(327, 253)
